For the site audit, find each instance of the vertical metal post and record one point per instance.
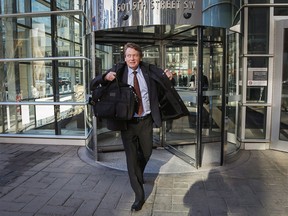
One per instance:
(224, 87)
(198, 151)
(55, 71)
(162, 130)
(95, 140)
(94, 119)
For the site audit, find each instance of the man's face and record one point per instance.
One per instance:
(132, 58)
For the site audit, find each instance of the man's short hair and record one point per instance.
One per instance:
(133, 46)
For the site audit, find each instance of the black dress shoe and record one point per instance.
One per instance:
(137, 205)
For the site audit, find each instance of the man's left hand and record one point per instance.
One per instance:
(168, 74)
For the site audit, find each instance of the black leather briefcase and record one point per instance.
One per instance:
(116, 100)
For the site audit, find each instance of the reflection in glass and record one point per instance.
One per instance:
(255, 125)
(231, 114)
(240, 121)
(182, 59)
(151, 55)
(232, 84)
(258, 34)
(39, 119)
(233, 64)
(257, 79)
(218, 8)
(35, 80)
(280, 11)
(284, 95)
(34, 37)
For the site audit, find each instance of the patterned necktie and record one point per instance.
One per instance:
(137, 90)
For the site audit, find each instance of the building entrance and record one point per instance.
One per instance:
(196, 56)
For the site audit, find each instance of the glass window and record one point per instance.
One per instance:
(39, 120)
(69, 5)
(35, 40)
(231, 114)
(240, 75)
(35, 80)
(212, 65)
(69, 28)
(233, 64)
(284, 94)
(232, 107)
(78, 49)
(213, 34)
(180, 61)
(280, 11)
(39, 6)
(105, 59)
(26, 42)
(258, 1)
(18, 6)
(258, 30)
(257, 79)
(240, 122)
(255, 124)
(213, 13)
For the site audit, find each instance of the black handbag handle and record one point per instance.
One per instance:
(110, 83)
(92, 101)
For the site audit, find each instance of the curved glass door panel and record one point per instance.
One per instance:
(198, 75)
(232, 91)
(213, 109)
(181, 58)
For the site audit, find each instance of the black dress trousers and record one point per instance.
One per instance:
(138, 143)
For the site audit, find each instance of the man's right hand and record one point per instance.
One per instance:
(110, 76)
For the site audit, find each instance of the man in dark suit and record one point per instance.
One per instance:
(158, 101)
(205, 84)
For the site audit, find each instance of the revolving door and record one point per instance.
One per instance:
(196, 57)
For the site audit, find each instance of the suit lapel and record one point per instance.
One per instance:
(125, 75)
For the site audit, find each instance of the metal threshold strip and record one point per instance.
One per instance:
(181, 155)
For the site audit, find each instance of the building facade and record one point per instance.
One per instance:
(262, 74)
(44, 68)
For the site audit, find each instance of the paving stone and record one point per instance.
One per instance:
(10, 213)
(88, 207)
(60, 197)
(13, 194)
(36, 204)
(57, 210)
(11, 206)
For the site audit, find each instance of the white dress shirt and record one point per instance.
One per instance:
(143, 89)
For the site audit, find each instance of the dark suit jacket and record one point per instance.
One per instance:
(205, 83)
(165, 103)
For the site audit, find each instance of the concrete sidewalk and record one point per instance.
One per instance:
(54, 180)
